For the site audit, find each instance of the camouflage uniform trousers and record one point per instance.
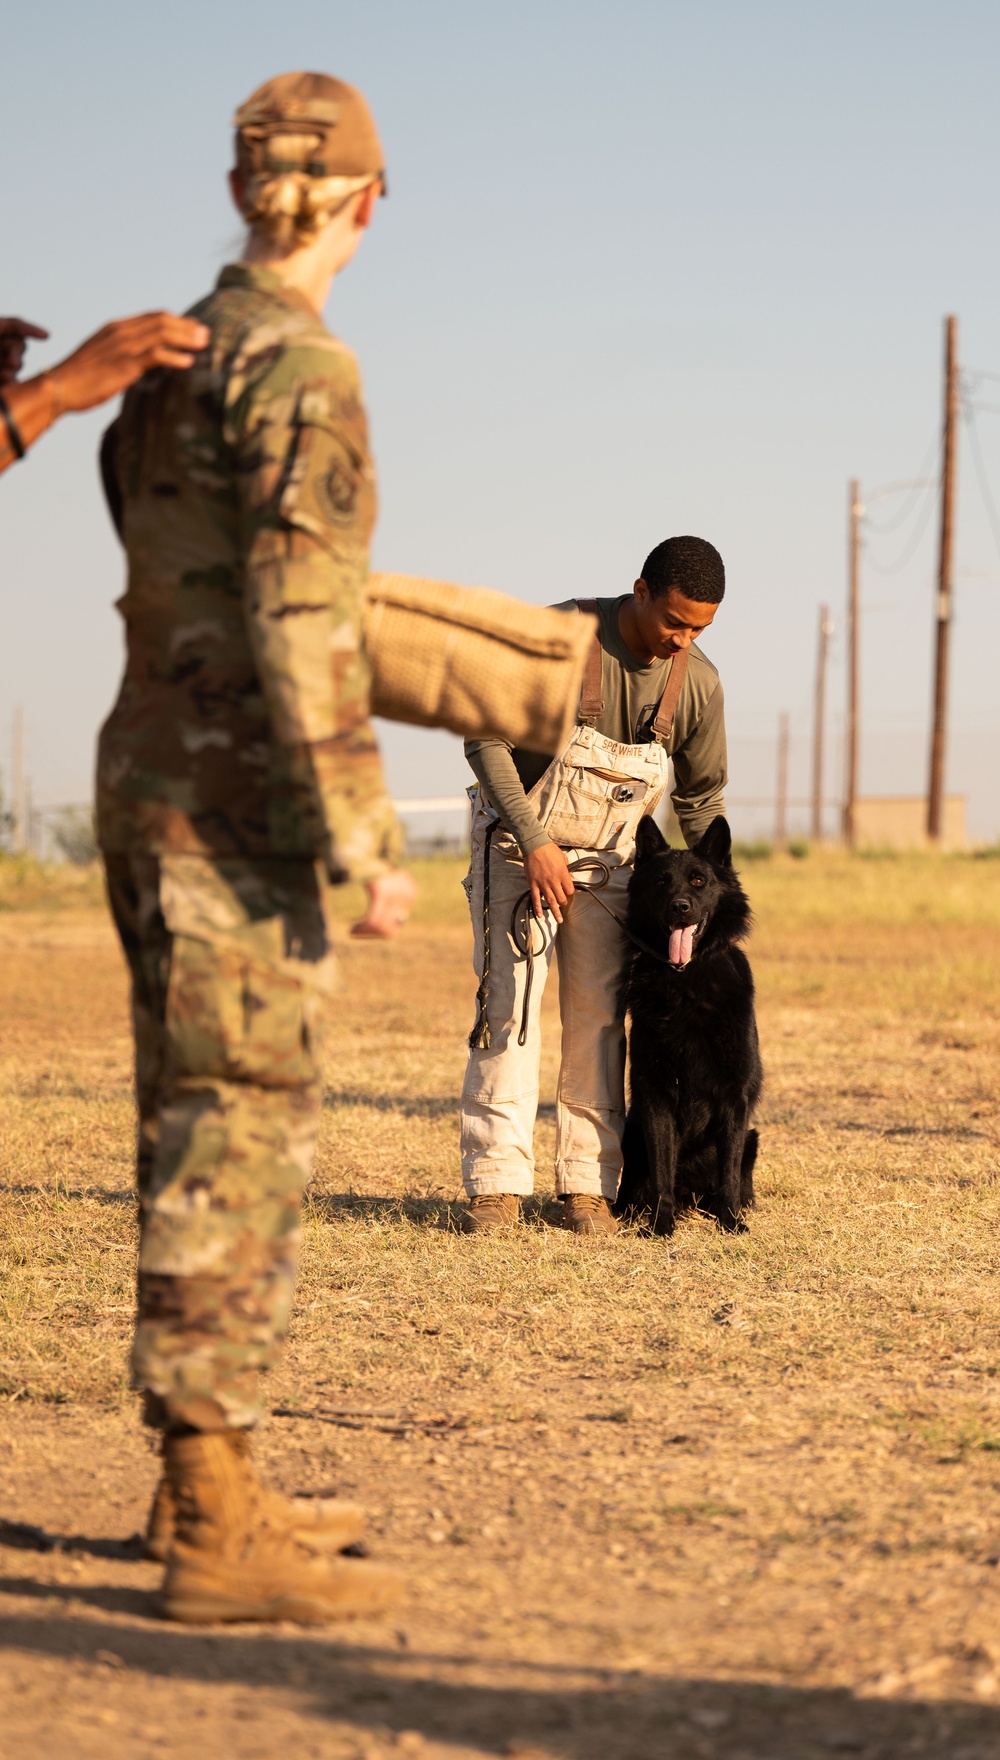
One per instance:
(229, 963)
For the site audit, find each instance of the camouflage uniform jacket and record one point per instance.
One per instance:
(245, 498)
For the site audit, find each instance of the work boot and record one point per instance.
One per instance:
(228, 1562)
(491, 1211)
(586, 1214)
(319, 1521)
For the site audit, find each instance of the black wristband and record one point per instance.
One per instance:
(13, 431)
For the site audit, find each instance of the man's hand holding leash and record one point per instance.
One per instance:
(550, 880)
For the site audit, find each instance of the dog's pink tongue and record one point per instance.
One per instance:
(681, 945)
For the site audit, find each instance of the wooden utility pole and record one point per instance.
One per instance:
(17, 805)
(935, 786)
(819, 723)
(855, 515)
(781, 781)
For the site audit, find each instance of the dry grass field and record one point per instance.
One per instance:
(736, 1499)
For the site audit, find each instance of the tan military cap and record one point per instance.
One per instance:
(307, 122)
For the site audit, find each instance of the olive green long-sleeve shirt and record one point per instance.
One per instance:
(631, 693)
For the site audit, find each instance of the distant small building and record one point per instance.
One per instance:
(899, 821)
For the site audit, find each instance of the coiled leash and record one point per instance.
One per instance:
(522, 931)
(522, 924)
(522, 927)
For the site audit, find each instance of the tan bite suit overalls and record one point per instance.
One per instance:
(590, 801)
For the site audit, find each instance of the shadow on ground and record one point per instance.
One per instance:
(98, 1194)
(406, 1105)
(581, 1714)
(410, 1105)
(429, 1212)
(960, 1133)
(26, 1537)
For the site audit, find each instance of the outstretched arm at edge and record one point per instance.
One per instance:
(105, 364)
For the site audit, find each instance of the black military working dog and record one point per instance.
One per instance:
(695, 1064)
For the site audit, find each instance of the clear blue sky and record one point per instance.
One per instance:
(645, 268)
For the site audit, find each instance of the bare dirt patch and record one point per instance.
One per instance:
(720, 1497)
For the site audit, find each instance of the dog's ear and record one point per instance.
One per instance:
(716, 844)
(649, 840)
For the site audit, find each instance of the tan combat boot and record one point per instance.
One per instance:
(228, 1563)
(586, 1214)
(319, 1521)
(491, 1211)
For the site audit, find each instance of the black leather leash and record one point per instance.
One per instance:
(521, 928)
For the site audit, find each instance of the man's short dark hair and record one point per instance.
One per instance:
(692, 565)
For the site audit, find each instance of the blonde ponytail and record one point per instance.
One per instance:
(283, 197)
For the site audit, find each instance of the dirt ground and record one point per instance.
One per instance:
(726, 1499)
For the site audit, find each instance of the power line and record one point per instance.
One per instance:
(984, 487)
(893, 525)
(921, 482)
(912, 545)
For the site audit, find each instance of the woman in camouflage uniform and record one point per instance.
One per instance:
(238, 758)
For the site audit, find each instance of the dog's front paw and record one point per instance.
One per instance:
(732, 1224)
